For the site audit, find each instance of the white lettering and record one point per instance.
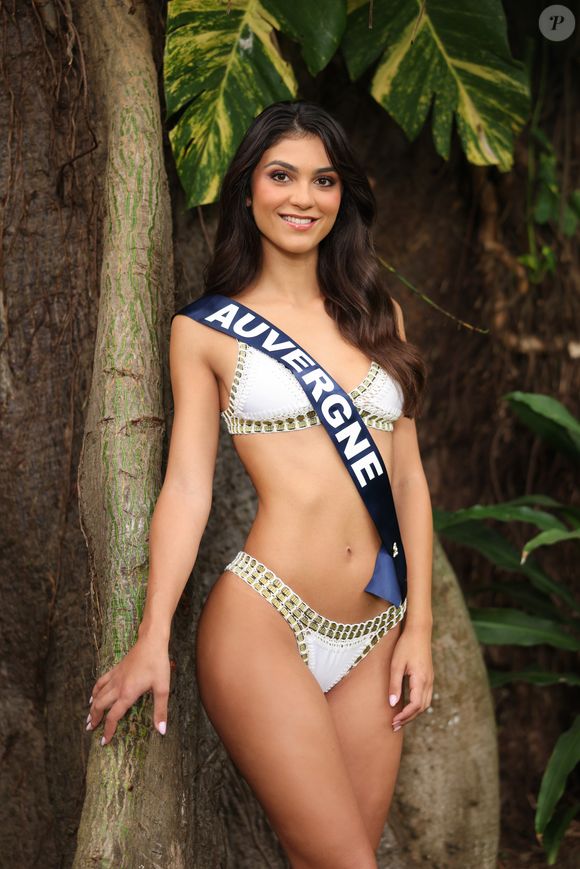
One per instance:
(224, 315)
(299, 358)
(249, 333)
(351, 432)
(322, 382)
(332, 401)
(269, 341)
(367, 462)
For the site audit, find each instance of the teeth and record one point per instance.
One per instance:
(296, 219)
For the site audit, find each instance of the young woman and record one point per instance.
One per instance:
(300, 669)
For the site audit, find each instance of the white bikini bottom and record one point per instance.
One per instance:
(330, 649)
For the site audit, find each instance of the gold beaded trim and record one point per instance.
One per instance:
(302, 617)
(237, 425)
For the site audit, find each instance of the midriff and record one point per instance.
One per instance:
(312, 526)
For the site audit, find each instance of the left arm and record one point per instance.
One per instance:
(412, 653)
(415, 517)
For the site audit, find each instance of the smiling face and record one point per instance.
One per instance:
(295, 194)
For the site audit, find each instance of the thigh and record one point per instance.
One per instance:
(274, 721)
(359, 705)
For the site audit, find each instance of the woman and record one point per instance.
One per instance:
(304, 714)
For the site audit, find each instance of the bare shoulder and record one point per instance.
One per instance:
(190, 338)
(196, 409)
(400, 320)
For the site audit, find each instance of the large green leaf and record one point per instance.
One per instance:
(548, 538)
(318, 27)
(548, 418)
(505, 626)
(517, 510)
(220, 71)
(556, 828)
(498, 550)
(452, 52)
(565, 756)
(530, 599)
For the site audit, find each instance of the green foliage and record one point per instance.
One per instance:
(550, 824)
(546, 204)
(222, 67)
(547, 612)
(452, 55)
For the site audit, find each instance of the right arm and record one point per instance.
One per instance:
(177, 526)
(184, 503)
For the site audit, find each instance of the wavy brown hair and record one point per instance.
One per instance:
(349, 273)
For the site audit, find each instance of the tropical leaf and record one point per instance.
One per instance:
(533, 675)
(452, 54)
(220, 70)
(530, 599)
(517, 510)
(565, 756)
(548, 418)
(505, 626)
(318, 27)
(556, 828)
(548, 538)
(499, 551)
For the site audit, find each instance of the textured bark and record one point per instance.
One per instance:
(132, 811)
(48, 303)
(446, 806)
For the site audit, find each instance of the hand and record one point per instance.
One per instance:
(145, 667)
(411, 657)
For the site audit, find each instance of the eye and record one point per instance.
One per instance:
(279, 172)
(331, 181)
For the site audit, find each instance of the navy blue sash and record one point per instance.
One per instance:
(342, 421)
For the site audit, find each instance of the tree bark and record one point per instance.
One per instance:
(446, 806)
(132, 811)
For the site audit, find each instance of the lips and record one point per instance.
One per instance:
(299, 219)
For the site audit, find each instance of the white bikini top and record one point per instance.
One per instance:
(266, 397)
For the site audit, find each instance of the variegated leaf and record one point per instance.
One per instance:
(454, 53)
(318, 27)
(220, 70)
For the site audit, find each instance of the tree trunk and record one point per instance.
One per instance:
(132, 812)
(446, 806)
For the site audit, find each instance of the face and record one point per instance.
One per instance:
(295, 178)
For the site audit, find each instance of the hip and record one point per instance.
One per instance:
(328, 564)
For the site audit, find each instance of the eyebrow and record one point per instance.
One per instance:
(294, 169)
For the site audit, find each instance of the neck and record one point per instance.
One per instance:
(287, 279)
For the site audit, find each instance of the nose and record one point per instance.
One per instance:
(301, 195)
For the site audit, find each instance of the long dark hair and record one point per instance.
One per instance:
(349, 273)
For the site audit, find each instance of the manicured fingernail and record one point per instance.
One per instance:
(397, 727)
(89, 726)
(392, 699)
(103, 740)
(90, 699)
(162, 727)
(88, 717)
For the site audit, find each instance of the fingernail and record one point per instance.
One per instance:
(89, 726)
(103, 740)
(397, 727)
(88, 717)
(392, 699)
(90, 699)
(162, 727)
